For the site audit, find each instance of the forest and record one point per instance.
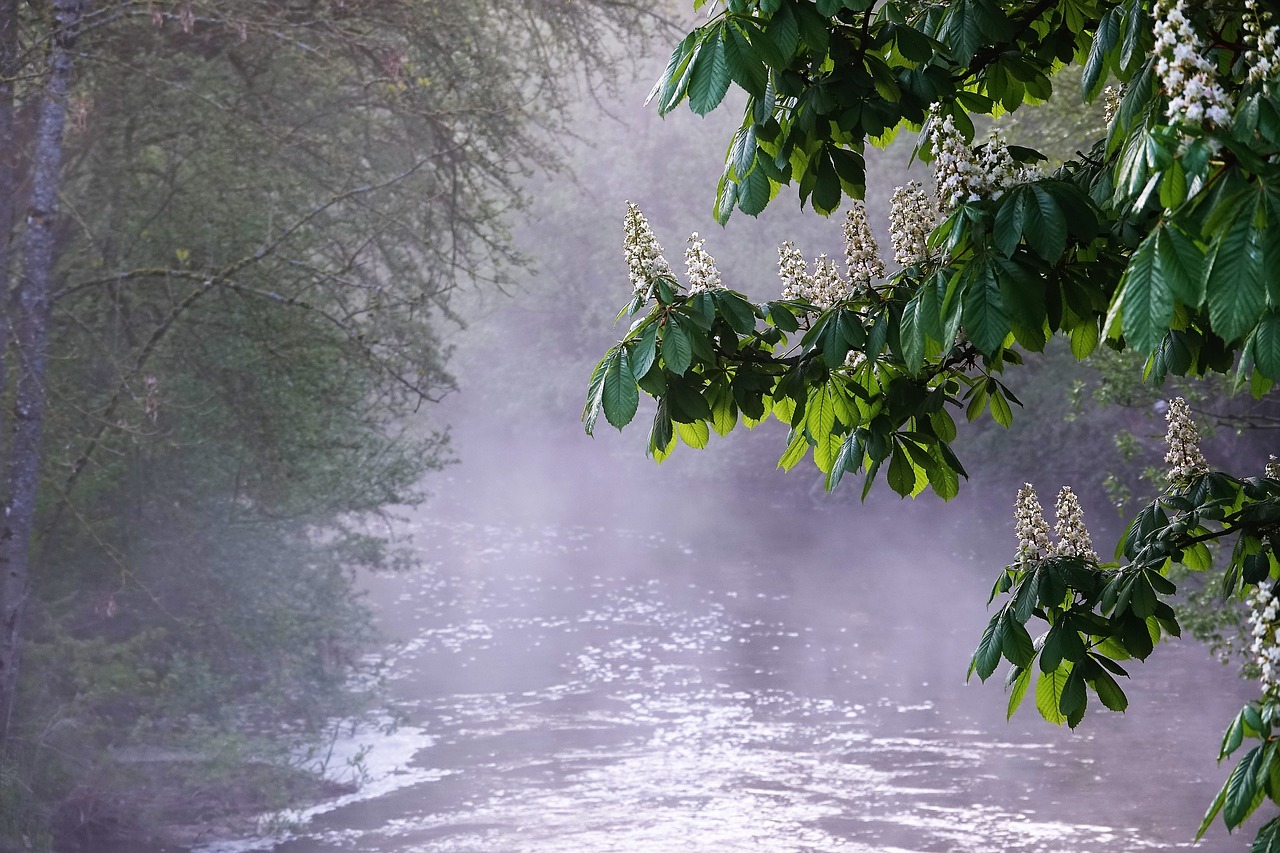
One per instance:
(253, 255)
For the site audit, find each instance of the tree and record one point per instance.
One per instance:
(1158, 239)
(241, 225)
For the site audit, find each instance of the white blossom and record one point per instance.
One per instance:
(794, 272)
(700, 267)
(1186, 74)
(1111, 97)
(828, 287)
(861, 253)
(644, 256)
(1262, 54)
(962, 173)
(1184, 456)
(822, 288)
(1272, 471)
(1265, 646)
(912, 217)
(1030, 527)
(1073, 537)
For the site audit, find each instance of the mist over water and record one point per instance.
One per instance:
(601, 655)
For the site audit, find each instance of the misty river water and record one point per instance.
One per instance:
(599, 656)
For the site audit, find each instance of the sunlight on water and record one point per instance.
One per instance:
(557, 698)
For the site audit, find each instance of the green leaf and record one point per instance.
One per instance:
(987, 655)
(724, 412)
(645, 351)
(984, 314)
(745, 66)
(795, 451)
(912, 332)
(621, 397)
(902, 474)
(1244, 793)
(1084, 339)
(1018, 689)
(1266, 345)
(1049, 687)
(595, 394)
(710, 78)
(1045, 225)
(1147, 301)
(1109, 692)
(737, 312)
(695, 434)
(1268, 838)
(1105, 41)
(1235, 289)
(1001, 413)
(1074, 697)
(1016, 643)
(1180, 263)
(662, 433)
(670, 88)
(677, 351)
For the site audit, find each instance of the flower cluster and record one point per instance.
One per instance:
(1263, 55)
(1186, 75)
(1111, 97)
(1272, 471)
(794, 272)
(822, 288)
(701, 267)
(1184, 456)
(962, 173)
(912, 217)
(1033, 532)
(861, 253)
(644, 256)
(1030, 527)
(1266, 645)
(1073, 537)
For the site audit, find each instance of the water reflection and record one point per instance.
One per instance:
(602, 688)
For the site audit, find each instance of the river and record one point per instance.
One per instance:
(602, 657)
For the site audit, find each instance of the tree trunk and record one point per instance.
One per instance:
(29, 328)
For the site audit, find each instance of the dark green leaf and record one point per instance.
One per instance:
(677, 350)
(1146, 299)
(710, 77)
(621, 397)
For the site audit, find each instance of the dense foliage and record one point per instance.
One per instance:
(253, 217)
(1157, 238)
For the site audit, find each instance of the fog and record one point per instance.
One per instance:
(600, 654)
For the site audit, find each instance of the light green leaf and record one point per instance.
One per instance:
(795, 451)
(1049, 688)
(1018, 689)
(694, 434)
